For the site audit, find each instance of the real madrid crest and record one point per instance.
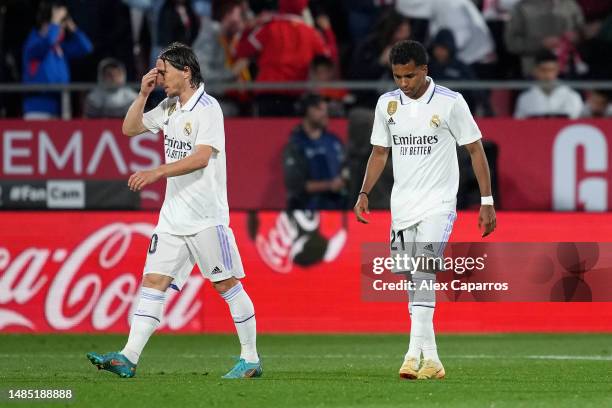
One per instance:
(435, 121)
(187, 129)
(392, 107)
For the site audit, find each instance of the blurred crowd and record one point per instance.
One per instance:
(112, 42)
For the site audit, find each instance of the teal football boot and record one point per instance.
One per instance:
(114, 362)
(242, 369)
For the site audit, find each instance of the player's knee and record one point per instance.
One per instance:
(156, 281)
(225, 285)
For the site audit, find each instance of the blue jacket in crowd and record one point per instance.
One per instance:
(45, 61)
(305, 160)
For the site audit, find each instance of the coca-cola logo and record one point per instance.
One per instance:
(87, 285)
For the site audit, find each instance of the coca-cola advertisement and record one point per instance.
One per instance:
(81, 272)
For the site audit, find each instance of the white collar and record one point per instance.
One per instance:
(425, 98)
(193, 100)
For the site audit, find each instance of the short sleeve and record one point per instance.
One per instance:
(154, 119)
(461, 123)
(380, 129)
(210, 128)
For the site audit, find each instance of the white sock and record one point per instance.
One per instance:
(417, 332)
(421, 305)
(243, 313)
(430, 350)
(414, 347)
(147, 318)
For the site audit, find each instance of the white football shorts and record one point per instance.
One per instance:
(213, 249)
(427, 237)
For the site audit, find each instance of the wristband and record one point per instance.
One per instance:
(488, 200)
(366, 194)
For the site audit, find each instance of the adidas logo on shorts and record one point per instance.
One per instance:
(429, 247)
(215, 271)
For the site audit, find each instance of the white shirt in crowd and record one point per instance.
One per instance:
(423, 135)
(561, 101)
(197, 200)
(414, 8)
(472, 35)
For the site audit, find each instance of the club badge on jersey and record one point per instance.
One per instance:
(435, 121)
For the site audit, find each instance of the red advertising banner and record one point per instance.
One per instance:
(80, 272)
(542, 164)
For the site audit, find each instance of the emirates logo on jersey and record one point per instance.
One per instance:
(415, 145)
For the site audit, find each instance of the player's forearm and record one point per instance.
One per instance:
(189, 164)
(481, 170)
(132, 123)
(376, 165)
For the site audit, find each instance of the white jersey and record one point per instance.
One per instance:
(197, 200)
(423, 134)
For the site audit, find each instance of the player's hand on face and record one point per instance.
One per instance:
(361, 207)
(486, 219)
(141, 179)
(149, 80)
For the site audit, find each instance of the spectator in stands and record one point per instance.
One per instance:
(419, 12)
(46, 52)
(444, 64)
(371, 57)
(144, 15)
(323, 69)
(216, 43)
(548, 98)
(550, 24)
(597, 36)
(112, 40)
(283, 46)
(598, 105)
(111, 98)
(177, 22)
(475, 46)
(314, 161)
(497, 13)
(215, 47)
(363, 15)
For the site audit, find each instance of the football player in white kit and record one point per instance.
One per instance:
(421, 123)
(193, 224)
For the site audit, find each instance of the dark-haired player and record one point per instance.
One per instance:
(421, 123)
(193, 222)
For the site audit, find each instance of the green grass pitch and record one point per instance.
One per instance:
(519, 370)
